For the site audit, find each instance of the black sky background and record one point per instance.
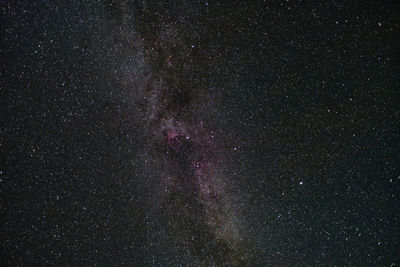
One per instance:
(304, 97)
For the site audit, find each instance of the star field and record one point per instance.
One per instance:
(199, 133)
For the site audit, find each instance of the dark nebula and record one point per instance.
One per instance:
(199, 133)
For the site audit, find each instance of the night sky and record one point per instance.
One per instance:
(195, 133)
